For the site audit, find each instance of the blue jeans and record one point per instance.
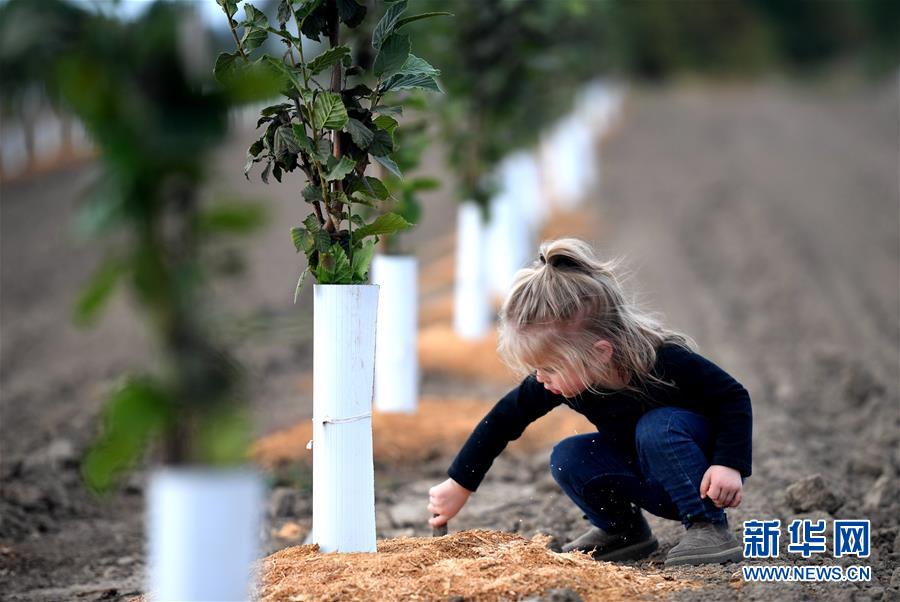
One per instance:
(660, 474)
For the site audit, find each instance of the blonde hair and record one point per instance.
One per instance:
(563, 304)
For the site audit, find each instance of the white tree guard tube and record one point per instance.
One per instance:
(471, 299)
(203, 530)
(521, 179)
(509, 242)
(343, 374)
(396, 349)
(600, 103)
(569, 162)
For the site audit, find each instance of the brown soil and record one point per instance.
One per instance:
(473, 565)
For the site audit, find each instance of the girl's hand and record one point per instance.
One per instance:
(445, 500)
(722, 485)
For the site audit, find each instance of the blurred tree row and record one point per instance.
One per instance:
(653, 40)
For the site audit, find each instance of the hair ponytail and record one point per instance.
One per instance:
(566, 301)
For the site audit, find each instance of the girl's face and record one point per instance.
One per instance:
(563, 381)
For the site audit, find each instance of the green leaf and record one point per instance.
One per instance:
(410, 82)
(232, 217)
(407, 20)
(253, 38)
(371, 187)
(98, 291)
(304, 141)
(329, 112)
(312, 223)
(382, 144)
(327, 59)
(248, 165)
(386, 122)
(136, 411)
(285, 141)
(255, 24)
(362, 259)
(312, 193)
(302, 239)
(224, 437)
(284, 71)
(306, 8)
(386, 223)
(300, 282)
(351, 12)
(358, 198)
(226, 66)
(388, 110)
(247, 82)
(275, 109)
(419, 184)
(323, 151)
(307, 241)
(359, 133)
(418, 66)
(389, 165)
(229, 7)
(340, 170)
(334, 267)
(392, 55)
(253, 17)
(387, 23)
(283, 14)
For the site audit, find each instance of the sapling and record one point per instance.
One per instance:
(155, 121)
(335, 119)
(333, 122)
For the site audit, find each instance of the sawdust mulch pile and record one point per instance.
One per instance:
(437, 429)
(442, 352)
(476, 565)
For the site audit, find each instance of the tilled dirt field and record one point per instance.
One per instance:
(763, 220)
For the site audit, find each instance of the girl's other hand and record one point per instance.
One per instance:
(445, 500)
(722, 485)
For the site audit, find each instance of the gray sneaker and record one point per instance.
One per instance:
(632, 544)
(706, 543)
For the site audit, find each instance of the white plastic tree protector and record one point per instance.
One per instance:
(471, 299)
(509, 241)
(569, 161)
(600, 103)
(343, 375)
(13, 154)
(396, 348)
(203, 531)
(521, 179)
(48, 136)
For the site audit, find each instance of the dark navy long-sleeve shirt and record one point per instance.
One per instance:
(697, 385)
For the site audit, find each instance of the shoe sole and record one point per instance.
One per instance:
(720, 557)
(636, 551)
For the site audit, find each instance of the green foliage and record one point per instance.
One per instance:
(508, 68)
(329, 112)
(98, 290)
(154, 122)
(386, 223)
(231, 218)
(331, 134)
(137, 411)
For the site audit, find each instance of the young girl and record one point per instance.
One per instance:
(673, 429)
